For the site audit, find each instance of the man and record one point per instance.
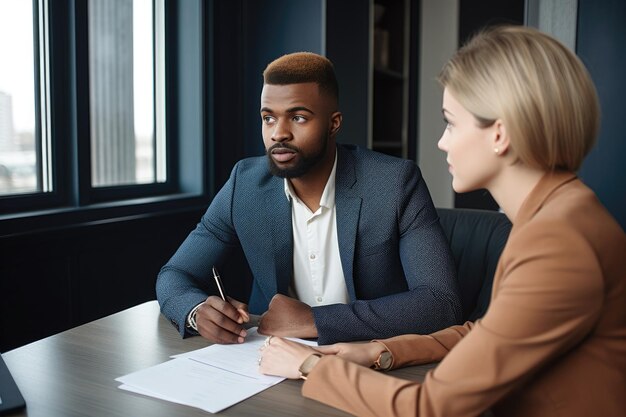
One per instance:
(349, 234)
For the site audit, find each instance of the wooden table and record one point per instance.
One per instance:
(73, 373)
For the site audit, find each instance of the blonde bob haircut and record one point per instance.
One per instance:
(536, 86)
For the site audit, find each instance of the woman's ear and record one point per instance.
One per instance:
(501, 141)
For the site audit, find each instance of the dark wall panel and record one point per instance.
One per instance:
(601, 40)
(34, 286)
(347, 46)
(227, 89)
(53, 280)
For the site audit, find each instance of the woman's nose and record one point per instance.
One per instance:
(442, 142)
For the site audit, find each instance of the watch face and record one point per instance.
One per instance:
(385, 360)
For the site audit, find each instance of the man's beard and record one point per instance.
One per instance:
(304, 165)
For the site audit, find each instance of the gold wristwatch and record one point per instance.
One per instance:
(308, 364)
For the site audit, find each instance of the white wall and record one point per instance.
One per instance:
(439, 40)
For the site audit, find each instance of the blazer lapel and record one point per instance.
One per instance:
(348, 208)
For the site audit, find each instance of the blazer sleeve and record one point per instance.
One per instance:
(185, 280)
(415, 349)
(431, 300)
(548, 301)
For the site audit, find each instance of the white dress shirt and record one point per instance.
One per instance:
(317, 274)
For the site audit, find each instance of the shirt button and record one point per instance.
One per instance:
(318, 299)
(312, 256)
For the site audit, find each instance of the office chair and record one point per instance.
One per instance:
(476, 238)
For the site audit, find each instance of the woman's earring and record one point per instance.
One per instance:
(496, 150)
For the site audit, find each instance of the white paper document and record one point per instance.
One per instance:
(211, 378)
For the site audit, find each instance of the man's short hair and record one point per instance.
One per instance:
(303, 67)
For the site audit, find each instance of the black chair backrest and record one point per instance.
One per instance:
(476, 238)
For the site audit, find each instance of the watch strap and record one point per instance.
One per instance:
(308, 364)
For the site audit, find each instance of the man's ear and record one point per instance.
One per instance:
(335, 122)
(501, 140)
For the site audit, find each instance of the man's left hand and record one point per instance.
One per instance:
(288, 317)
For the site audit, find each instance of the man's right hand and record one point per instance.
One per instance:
(222, 321)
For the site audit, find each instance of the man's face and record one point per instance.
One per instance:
(299, 124)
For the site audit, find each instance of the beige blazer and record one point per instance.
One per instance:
(553, 342)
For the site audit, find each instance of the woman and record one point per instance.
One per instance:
(521, 113)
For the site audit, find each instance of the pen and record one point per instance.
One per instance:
(218, 281)
(253, 319)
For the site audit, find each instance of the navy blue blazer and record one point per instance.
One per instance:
(396, 261)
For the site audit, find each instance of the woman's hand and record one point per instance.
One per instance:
(362, 353)
(283, 357)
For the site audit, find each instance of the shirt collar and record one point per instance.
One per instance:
(328, 195)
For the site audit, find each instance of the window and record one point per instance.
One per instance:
(122, 44)
(90, 112)
(18, 150)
